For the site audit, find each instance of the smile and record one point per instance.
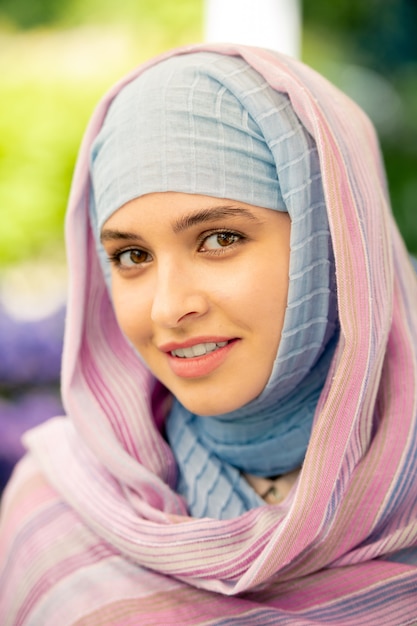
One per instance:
(200, 359)
(199, 349)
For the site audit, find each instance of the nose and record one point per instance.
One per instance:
(178, 296)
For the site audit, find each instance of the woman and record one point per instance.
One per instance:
(239, 367)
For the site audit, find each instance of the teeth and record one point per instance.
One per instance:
(198, 350)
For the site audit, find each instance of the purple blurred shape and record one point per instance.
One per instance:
(30, 351)
(18, 414)
(30, 364)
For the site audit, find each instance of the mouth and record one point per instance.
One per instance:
(199, 349)
(198, 357)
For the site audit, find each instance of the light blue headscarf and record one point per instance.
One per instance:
(210, 124)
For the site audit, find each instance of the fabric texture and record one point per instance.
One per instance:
(208, 122)
(198, 137)
(109, 540)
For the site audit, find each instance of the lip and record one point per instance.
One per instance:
(198, 366)
(194, 341)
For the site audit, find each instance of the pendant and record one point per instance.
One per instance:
(272, 495)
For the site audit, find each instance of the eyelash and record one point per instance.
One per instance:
(222, 231)
(115, 257)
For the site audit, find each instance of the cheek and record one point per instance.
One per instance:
(275, 295)
(268, 306)
(131, 313)
(259, 290)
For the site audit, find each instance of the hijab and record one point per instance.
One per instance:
(210, 124)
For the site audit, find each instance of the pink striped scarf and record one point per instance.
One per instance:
(92, 531)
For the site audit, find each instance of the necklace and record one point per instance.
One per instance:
(273, 490)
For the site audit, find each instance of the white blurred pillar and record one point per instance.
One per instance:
(272, 24)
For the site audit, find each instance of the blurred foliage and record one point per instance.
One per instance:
(58, 57)
(40, 127)
(377, 37)
(380, 32)
(51, 78)
(31, 13)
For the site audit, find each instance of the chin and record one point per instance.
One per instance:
(208, 408)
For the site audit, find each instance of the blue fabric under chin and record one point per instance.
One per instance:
(213, 451)
(206, 123)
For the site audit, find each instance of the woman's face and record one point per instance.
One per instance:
(199, 287)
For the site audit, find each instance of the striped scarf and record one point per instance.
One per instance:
(210, 124)
(93, 531)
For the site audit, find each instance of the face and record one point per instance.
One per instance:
(199, 287)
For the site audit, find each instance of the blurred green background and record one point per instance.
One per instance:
(57, 57)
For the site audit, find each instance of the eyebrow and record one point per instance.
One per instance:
(185, 222)
(211, 215)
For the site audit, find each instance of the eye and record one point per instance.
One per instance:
(131, 258)
(219, 240)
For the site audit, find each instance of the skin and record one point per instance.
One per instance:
(191, 269)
